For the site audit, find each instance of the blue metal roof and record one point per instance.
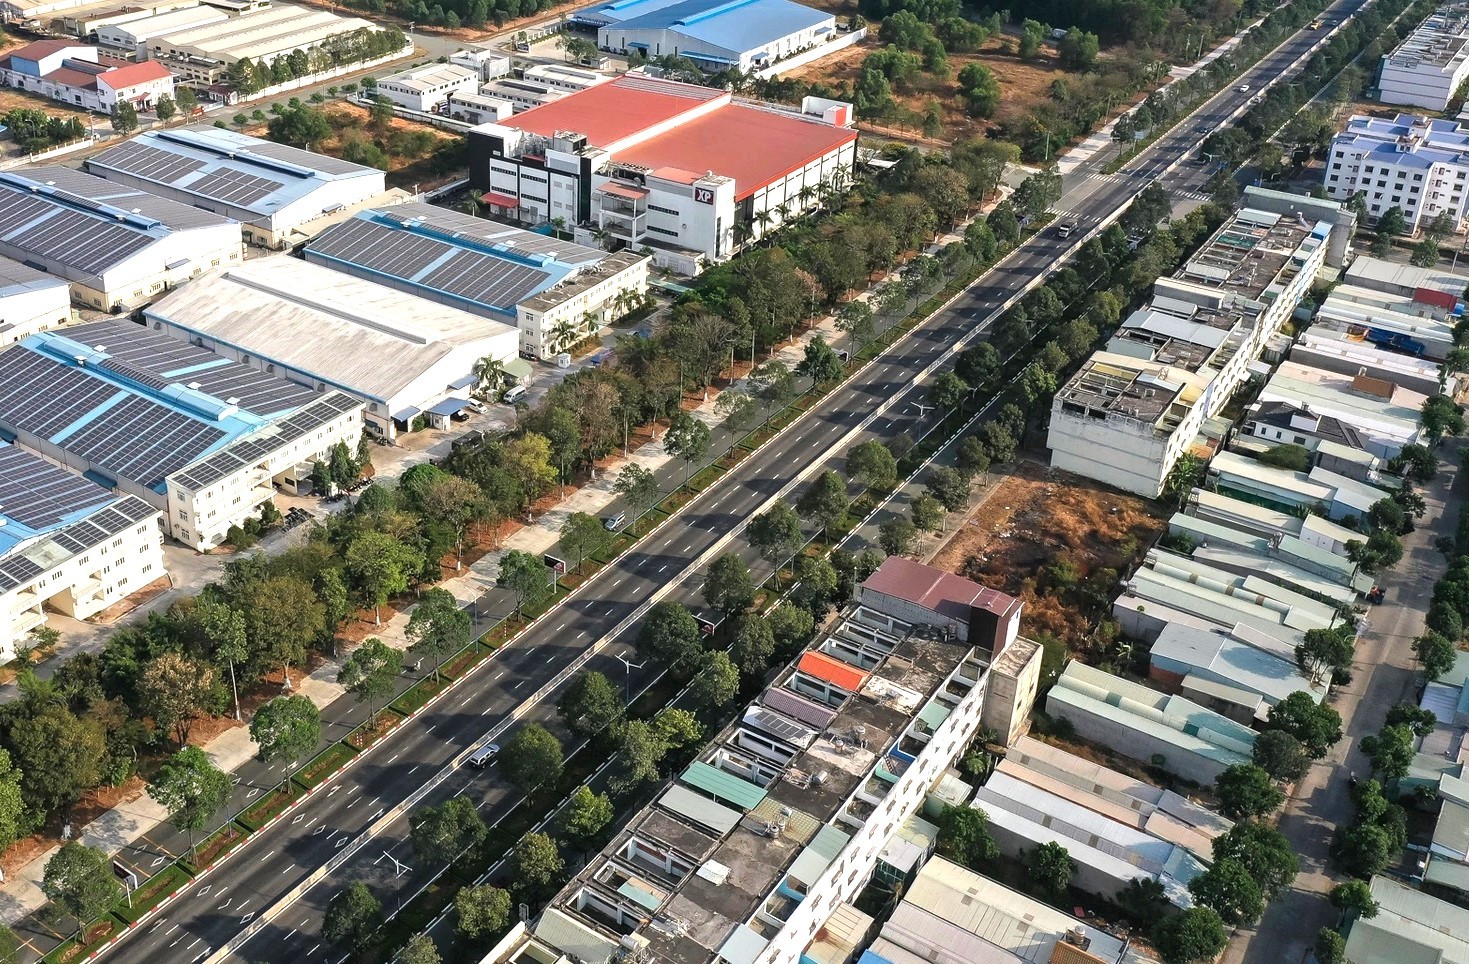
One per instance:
(736, 26)
(449, 406)
(36, 497)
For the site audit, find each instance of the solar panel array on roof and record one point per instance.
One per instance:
(252, 448)
(72, 238)
(148, 162)
(778, 726)
(234, 187)
(167, 360)
(479, 277)
(128, 435)
(38, 495)
(80, 536)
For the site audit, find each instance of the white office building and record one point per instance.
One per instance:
(1134, 408)
(682, 170)
(427, 88)
(67, 545)
(1431, 64)
(197, 436)
(1411, 162)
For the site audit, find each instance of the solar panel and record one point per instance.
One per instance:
(38, 495)
(778, 726)
(168, 360)
(252, 448)
(79, 240)
(234, 187)
(148, 162)
(133, 374)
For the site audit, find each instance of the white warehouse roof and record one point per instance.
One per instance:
(365, 338)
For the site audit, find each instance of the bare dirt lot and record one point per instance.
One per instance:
(11, 99)
(1036, 518)
(1025, 83)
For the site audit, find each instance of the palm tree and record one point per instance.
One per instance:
(783, 211)
(804, 195)
(471, 205)
(762, 217)
(488, 373)
(563, 334)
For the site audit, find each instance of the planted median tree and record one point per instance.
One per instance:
(728, 586)
(526, 576)
(716, 682)
(687, 440)
(585, 816)
(534, 757)
(440, 834)
(639, 489)
(286, 728)
(353, 918)
(873, 465)
(192, 789)
(483, 912)
(537, 865)
(590, 704)
(670, 634)
(438, 627)
(79, 881)
(776, 533)
(825, 503)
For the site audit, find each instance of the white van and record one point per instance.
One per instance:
(513, 395)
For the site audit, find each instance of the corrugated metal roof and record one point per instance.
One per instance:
(724, 787)
(797, 707)
(700, 809)
(936, 590)
(742, 946)
(833, 671)
(934, 714)
(1411, 927)
(572, 937)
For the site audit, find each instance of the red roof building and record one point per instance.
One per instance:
(713, 174)
(76, 75)
(916, 593)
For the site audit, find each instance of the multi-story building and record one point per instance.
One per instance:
(30, 301)
(427, 88)
(683, 171)
(74, 74)
(1428, 67)
(195, 435)
(117, 246)
(1411, 162)
(67, 545)
(791, 809)
(1133, 409)
(714, 34)
(565, 77)
(556, 292)
(135, 35)
(281, 195)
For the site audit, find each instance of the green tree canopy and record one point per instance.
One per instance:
(353, 918)
(533, 757)
(441, 833)
(670, 634)
(590, 704)
(1246, 790)
(192, 789)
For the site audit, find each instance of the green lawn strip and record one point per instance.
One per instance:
(259, 813)
(156, 889)
(784, 418)
(323, 765)
(461, 664)
(675, 501)
(98, 932)
(418, 694)
(212, 849)
(705, 477)
(589, 568)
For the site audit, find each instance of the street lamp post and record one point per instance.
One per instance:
(628, 667)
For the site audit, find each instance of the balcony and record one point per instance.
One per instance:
(26, 620)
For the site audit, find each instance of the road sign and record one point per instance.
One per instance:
(559, 565)
(121, 871)
(707, 626)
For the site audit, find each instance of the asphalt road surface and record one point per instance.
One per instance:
(669, 561)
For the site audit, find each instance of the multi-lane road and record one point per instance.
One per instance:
(876, 403)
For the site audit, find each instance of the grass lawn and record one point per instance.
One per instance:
(418, 694)
(272, 804)
(325, 763)
(97, 932)
(153, 891)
